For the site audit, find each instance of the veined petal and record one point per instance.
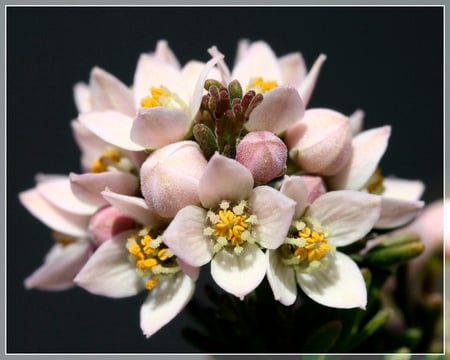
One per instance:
(158, 126)
(258, 61)
(368, 148)
(345, 215)
(108, 271)
(295, 188)
(280, 108)
(184, 236)
(281, 278)
(59, 193)
(60, 266)
(82, 97)
(403, 189)
(239, 274)
(224, 179)
(109, 93)
(397, 212)
(111, 126)
(293, 69)
(135, 207)
(338, 284)
(88, 187)
(309, 82)
(52, 216)
(274, 212)
(165, 301)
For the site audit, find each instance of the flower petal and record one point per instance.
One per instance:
(403, 189)
(309, 82)
(356, 121)
(346, 215)
(274, 212)
(52, 216)
(109, 272)
(338, 284)
(295, 188)
(184, 236)
(158, 126)
(88, 187)
(192, 271)
(293, 69)
(165, 301)
(368, 148)
(60, 266)
(109, 93)
(224, 179)
(165, 53)
(280, 108)
(82, 97)
(281, 278)
(397, 212)
(239, 274)
(111, 126)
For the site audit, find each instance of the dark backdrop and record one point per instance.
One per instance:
(386, 61)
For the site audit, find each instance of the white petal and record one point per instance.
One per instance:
(184, 236)
(281, 278)
(403, 189)
(293, 68)
(239, 274)
(295, 188)
(346, 215)
(274, 212)
(165, 301)
(52, 216)
(109, 272)
(82, 97)
(224, 179)
(61, 265)
(307, 86)
(111, 126)
(339, 284)
(165, 53)
(396, 212)
(356, 121)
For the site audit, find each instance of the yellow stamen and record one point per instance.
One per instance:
(150, 284)
(63, 239)
(111, 157)
(154, 99)
(231, 226)
(264, 86)
(316, 245)
(375, 183)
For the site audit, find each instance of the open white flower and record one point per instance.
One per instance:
(233, 225)
(309, 254)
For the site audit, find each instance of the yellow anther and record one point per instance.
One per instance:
(265, 86)
(63, 239)
(158, 92)
(316, 245)
(110, 157)
(154, 99)
(149, 102)
(150, 284)
(230, 226)
(98, 167)
(164, 254)
(375, 183)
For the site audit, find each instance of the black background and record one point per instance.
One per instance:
(387, 61)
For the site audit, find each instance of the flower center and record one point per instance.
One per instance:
(260, 85)
(63, 239)
(230, 226)
(375, 183)
(112, 160)
(307, 246)
(161, 96)
(153, 259)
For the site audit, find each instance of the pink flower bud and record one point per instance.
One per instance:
(108, 222)
(170, 176)
(321, 142)
(264, 154)
(315, 187)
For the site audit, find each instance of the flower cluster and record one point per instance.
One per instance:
(205, 166)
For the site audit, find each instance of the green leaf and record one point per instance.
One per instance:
(323, 338)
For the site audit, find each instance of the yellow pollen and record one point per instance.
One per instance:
(263, 85)
(150, 284)
(231, 226)
(110, 157)
(63, 239)
(154, 99)
(316, 245)
(375, 183)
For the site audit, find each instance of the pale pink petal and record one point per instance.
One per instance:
(52, 216)
(224, 179)
(82, 97)
(396, 212)
(242, 48)
(356, 121)
(184, 236)
(239, 274)
(309, 82)
(111, 126)
(157, 126)
(274, 212)
(295, 188)
(403, 189)
(109, 93)
(152, 72)
(280, 108)
(60, 266)
(293, 69)
(164, 53)
(135, 207)
(338, 284)
(165, 301)
(192, 271)
(192, 71)
(345, 215)
(258, 61)
(59, 193)
(109, 272)
(281, 278)
(88, 187)
(368, 148)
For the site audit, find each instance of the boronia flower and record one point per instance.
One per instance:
(138, 260)
(233, 225)
(310, 256)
